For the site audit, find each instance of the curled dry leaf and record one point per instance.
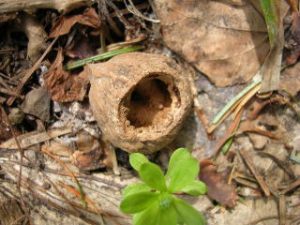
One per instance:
(81, 48)
(217, 187)
(206, 34)
(62, 86)
(64, 24)
(36, 36)
(90, 154)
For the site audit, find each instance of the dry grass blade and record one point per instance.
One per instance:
(253, 170)
(282, 210)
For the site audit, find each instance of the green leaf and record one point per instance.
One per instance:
(138, 202)
(187, 213)
(147, 217)
(135, 188)
(195, 188)
(153, 176)
(183, 169)
(167, 216)
(271, 13)
(136, 160)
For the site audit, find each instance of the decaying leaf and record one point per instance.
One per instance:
(228, 42)
(89, 154)
(36, 36)
(37, 103)
(217, 187)
(64, 24)
(33, 138)
(81, 49)
(62, 86)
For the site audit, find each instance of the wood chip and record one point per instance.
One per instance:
(33, 138)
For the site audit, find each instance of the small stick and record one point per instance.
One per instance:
(292, 186)
(29, 73)
(282, 210)
(251, 167)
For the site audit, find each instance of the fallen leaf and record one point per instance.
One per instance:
(62, 86)
(81, 49)
(89, 154)
(290, 80)
(64, 24)
(206, 34)
(295, 36)
(217, 187)
(37, 103)
(36, 36)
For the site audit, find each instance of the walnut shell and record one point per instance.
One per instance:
(139, 100)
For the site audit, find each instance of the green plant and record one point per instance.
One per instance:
(154, 201)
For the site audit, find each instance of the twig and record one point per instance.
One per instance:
(282, 164)
(292, 186)
(21, 151)
(251, 167)
(29, 72)
(282, 210)
(132, 8)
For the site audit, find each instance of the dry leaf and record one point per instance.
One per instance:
(64, 24)
(37, 103)
(36, 36)
(91, 154)
(81, 49)
(290, 80)
(62, 86)
(217, 187)
(226, 42)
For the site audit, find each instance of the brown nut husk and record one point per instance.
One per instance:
(139, 100)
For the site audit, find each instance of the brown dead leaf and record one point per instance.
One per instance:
(290, 80)
(36, 36)
(217, 187)
(37, 103)
(81, 48)
(228, 42)
(295, 31)
(64, 24)
(90, 154)
(62, 86)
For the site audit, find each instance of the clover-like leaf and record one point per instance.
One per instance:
(136, 160)
(187, 213)
(135, 188)
(148, 216)
(195, 188)
(183, 169)
(153, 176)
(138, 202)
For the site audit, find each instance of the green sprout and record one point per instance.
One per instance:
(153, 201)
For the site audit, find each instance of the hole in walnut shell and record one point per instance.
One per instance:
(150, 101)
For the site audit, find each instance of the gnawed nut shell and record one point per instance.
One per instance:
(139, 100)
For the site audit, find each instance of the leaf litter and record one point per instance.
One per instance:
(258, 135)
